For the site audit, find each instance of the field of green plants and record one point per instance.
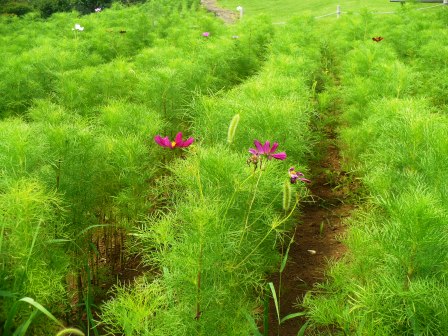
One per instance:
(154, 140)
(280, 11)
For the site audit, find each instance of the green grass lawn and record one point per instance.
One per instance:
(282, 10)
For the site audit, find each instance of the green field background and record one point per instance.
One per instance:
(284, 9)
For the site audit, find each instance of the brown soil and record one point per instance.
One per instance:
(316, 241)
(226, 15)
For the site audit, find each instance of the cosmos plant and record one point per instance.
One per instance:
(294, 176)
(78, 27)
(178, 142)
(267, 151)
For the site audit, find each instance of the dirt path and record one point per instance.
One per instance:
(317, 237)
(225, 14)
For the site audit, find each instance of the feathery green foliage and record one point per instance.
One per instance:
(396, 139)
(79, 113)
(80, 174)
(223, 219)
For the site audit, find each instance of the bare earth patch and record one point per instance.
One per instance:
(317, 240)
(226, 15)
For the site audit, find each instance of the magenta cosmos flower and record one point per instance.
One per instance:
(267, 150)
(294, 176)
(178, 142)
(206, 34)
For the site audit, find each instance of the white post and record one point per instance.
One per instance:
(338, 11)
(240, 9)
(445, 2)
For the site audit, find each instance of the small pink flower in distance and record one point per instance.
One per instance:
(294, 176)
(178, 142)
(206, 34)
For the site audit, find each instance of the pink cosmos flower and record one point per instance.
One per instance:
(178, 142)
(206, 34)
(267, 150)
(294, 176)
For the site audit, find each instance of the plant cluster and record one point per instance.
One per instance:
(155, 130)
(82, 99)
(218, 234)
(393, 280)
(46, 8)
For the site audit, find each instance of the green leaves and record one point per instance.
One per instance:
(277, 307)
(41, 308)
(22, 329)
(274, 296)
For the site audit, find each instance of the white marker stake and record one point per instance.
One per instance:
(240, 9)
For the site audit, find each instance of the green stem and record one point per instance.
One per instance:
(198, 294)
(266, 315)
(32, 244)
(1, 242)
(201, 248)
(279, 293)
(246, 221)
(232, 198)
(267, 234)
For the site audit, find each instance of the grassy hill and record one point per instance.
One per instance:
(282, 10)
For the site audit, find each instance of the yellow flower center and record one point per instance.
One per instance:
(173, 144)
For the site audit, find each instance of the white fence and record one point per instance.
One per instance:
(339, 12)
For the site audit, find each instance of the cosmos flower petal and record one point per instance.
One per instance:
(279, 156)
(168, 143)
(259, 146)
(304, 180)
(274, 147)
(178, 139)
(267, 147)
(161, 141)
(253, 151)
(186, 143)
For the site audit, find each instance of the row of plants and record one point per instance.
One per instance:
(75, 60)
(79, 166)
(393, 279)
(45, 8)
(229, 203)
